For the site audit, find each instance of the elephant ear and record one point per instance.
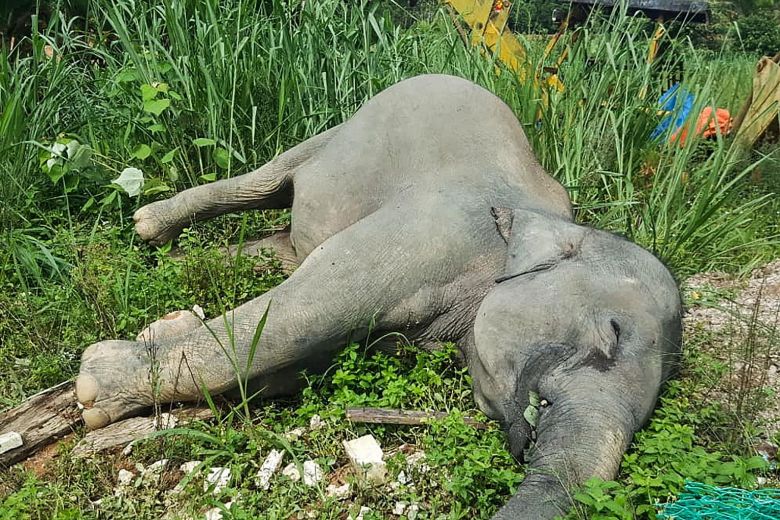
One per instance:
(536, 240)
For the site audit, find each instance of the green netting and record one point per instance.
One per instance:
(703, 502)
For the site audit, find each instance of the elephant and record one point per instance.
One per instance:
(426, 213)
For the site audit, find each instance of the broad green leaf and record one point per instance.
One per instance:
(208, 177)
(81, 157)
(168, 157)
(200, 142)
(131, 180)
(155, 186)
(142, 151)
(156, 106)
(531, 415)
(71, 147)
(126, 75)
(156, 128)
(56, 170)
(148, 92)
(71, 182)
(160, 87)
(58, 149)
(108, 199)
(222, 158)
(175, 95)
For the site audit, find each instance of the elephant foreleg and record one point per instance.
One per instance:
(355, 278)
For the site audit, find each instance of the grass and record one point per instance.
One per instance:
(192, 91)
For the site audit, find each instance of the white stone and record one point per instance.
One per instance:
(415, 460)
(215, 513)
(197, 310)
(399, 508)
(295, 434)
(153, 471)
(316, 422)
(411, 513)
(312, 473)
(157, 467)
(339, 492)
(291, 471)
(363, 511)
(218, 479)
(125, 477)
(402, 478)
(761, 481)
(166, 421)
(128, 449)
(270, 465)
(189, 467)
(10, 441)
(366, 455)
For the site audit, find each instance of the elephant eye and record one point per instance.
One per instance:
(615, 327)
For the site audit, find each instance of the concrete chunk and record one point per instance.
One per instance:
(270, 465)
(218, 479)
(10, 441)
(366, 456)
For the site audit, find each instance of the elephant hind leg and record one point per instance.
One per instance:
(268, 187)
(279, 243)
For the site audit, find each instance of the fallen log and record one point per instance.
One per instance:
(52, 414)
(42, 419)
(408, 417)
(122, 433)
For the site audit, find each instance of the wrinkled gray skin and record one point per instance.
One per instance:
(427, 214)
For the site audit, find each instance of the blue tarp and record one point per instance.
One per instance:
(679, 103)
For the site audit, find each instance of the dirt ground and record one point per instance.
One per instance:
(740, 321)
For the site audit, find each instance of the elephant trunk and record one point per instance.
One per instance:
(577, 439)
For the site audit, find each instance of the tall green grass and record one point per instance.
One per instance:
(254, 77)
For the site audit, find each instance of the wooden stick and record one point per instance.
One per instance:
(409, 417)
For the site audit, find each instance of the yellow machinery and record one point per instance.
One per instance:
(761, 112)
(488, 21)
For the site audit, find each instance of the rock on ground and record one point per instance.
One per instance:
(270, 465)
(366, 457)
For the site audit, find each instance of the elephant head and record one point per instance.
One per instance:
(591, 324)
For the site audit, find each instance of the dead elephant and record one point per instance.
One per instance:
(427, 214)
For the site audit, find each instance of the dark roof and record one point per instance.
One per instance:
(667, 9)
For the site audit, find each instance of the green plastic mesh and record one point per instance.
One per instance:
(703, 502)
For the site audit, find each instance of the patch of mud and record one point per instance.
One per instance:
(741, 320)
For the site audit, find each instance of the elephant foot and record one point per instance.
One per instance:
(113, 382)
(155, 223)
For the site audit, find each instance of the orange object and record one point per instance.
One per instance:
(708, 125)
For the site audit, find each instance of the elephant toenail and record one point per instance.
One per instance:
(95, 418)
(86, 389)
